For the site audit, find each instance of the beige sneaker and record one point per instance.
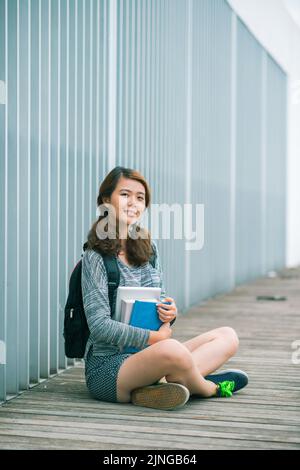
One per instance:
(163, 396)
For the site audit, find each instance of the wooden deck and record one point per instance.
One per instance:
(59, 414)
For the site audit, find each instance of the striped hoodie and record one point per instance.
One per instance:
(107, 335)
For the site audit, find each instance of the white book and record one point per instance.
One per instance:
(138, 293)
(126, 308)
(127, 305)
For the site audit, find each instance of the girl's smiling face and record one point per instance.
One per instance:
(128, 200)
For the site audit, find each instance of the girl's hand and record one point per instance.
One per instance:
(167, 312)
(165, 331)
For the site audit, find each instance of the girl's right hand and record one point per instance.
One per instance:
(165, 331)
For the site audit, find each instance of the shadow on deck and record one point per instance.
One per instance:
(60, 414)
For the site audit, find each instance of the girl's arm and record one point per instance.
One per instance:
(97, 309)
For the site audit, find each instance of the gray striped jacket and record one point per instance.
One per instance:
(107, 335)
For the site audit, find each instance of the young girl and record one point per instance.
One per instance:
(165, 372)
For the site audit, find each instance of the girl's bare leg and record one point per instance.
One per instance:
(212, 349)
(167, 358)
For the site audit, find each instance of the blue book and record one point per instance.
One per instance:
(144, 315)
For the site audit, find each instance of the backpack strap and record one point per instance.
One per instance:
(113, 276)
(152, 258)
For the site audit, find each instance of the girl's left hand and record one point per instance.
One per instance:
(167, 312)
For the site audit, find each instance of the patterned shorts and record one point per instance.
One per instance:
(101, 373)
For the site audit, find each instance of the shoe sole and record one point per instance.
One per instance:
(164, 396)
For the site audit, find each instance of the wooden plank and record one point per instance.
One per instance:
(77, 425)
(39, 442)
(139, 438)
(12, 442)
(200, 419)
(263, 421)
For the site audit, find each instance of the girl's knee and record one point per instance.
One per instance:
(230, 335)
(176, 354)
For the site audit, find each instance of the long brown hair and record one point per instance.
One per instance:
(138, 251)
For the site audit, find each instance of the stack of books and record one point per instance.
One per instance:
(141, 313)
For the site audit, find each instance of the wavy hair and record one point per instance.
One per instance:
(139, 250)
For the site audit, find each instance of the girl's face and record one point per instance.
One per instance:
(128, 200)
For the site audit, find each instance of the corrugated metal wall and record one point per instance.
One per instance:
(53, 149)
(178, 89)
(275, 180)
(211, 145)
(249, 158)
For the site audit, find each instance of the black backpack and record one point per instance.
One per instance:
(76, 330)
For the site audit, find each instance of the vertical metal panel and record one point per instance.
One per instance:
(94, 96)
(233, 147)
(188, 194)
(275, 165)
(52, 61)
(171, 176)
(86, 117)
(62, 246)
(70, 245)
(110, 12)
(34, 200)
(83, 111)
(145, 156)
(210, 179)
(12, 201)
(249, 158)
(97, 23)
(86, 121)
(60, 287)
(44, 188)
(90, 127)
(3, 156)
(24, 184)
(54, 200)
(263, 200)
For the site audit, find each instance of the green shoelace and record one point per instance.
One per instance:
(226, 388)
